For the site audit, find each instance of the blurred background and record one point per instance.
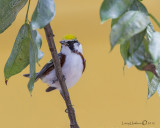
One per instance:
(105, 96)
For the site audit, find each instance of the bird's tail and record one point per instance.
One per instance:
(26, 75)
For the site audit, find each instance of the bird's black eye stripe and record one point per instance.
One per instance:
(71, 45)
(72, 42)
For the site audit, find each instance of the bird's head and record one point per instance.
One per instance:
(70, 44)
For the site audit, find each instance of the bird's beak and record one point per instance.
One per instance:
(63, 42)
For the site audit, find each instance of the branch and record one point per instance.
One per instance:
(52, 47)
(154, 19)
(26, 20)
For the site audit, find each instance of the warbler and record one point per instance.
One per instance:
(72, 63)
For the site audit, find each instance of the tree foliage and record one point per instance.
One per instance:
(139, 43)
(131, 28)
(26, 50)
(8, 12)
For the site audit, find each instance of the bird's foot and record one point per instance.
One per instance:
(67, 109)
(64, 99)
(54, 81)
(64, 78)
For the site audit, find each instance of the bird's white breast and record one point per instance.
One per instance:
(72, 70)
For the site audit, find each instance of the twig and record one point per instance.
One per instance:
(52, 47)
(155, 20)
(26, 20)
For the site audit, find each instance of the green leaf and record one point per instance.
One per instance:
(153, 83)
(19, 57)
(124, 49)
(150, 32)
(128, 49)
(136, 41)
(114, 21)
(32, 62)
(140, 57)
(158, 89)
(130, 24)
(113, 8)
(37, 44)
(158, 72)
(150, 76)
(138, 6)
(154, 46)
(35, 56)
(43, 14)
(143, 54)
(8, 12)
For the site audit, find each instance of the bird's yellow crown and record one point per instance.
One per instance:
(69, 37)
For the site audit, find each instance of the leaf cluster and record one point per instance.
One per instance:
(139, 43)
(26, 50)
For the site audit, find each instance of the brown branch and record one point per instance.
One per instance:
(52, 47)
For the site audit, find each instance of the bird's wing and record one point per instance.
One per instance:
(47, 68)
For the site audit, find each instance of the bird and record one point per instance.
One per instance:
(72, 63)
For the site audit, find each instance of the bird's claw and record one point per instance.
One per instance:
(67, 109)
(54, 81)
(64, 78)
